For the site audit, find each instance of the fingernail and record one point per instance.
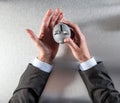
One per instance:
(58, 9)
(50, 10)
(66, 39)
(27, 30)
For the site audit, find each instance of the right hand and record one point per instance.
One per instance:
(46, 45)
(77, 44)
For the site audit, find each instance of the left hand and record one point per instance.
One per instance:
(47, 46)
(78, 43)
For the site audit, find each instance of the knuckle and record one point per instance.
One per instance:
(37, 44)
(83, 38)
(75, 25)
(52, 22)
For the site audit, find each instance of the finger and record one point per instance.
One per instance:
(32, 35)
(47, 17)
(75, 28)
(34, 38)
(55, 17)
(72, 33)
(60, 18)
(41, 36)
(72, 25)
(76, 41)
(46, 20)
(71, 44)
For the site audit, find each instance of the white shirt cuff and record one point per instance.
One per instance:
(42, 65)
(88, 64)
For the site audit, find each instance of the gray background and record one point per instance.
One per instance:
(99, 21)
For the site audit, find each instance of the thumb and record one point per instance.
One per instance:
(34, 38)
(70, 43)
(32, 35)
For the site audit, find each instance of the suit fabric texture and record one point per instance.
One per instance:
(99, 85)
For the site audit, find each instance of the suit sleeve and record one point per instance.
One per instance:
(99, 85)
(30, 86)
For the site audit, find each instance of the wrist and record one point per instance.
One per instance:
(88, 64)
(42, 65)
(84, 58)
(45, 59)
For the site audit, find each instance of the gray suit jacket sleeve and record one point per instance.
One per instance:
(100, 86)
(30, 86)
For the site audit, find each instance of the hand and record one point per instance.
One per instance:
(46, 45)
(77, 44)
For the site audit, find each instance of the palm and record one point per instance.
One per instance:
(49, 42)
(45, 42)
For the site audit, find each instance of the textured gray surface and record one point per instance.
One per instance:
(100, 22)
